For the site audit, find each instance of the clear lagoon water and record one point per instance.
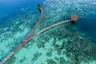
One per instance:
(64, 44)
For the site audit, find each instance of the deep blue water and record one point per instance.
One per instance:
(88, 26)
(10, 8)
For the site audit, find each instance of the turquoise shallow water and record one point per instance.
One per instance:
(64, 44)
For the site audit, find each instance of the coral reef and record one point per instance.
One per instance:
(62, 44)
(50, 61)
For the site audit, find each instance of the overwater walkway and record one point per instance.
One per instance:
(30, 36)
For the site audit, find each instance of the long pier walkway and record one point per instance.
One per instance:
(27, 37)
(30, 36)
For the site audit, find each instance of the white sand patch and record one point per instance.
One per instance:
(29, 52)
(9, 40)
(26, 52)
(59, 42)
(21, 27)
(51, 40)
(20, 34)
(42, 58)
(90, 62)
